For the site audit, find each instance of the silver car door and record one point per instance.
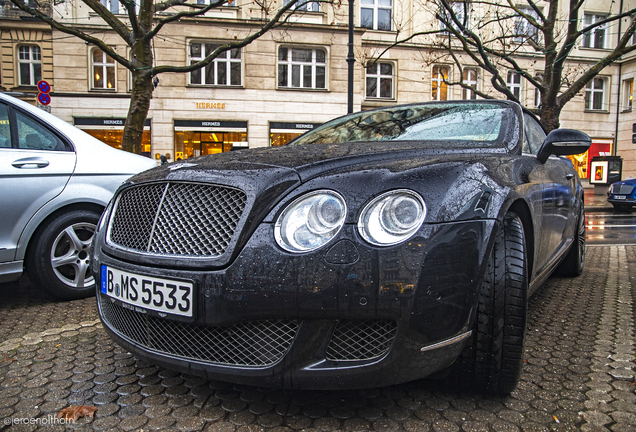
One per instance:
(35, 165)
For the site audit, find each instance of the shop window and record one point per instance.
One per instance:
(595, 95)
(103, 67)
(302, 68)
(113, 137)
(513, 82)
(595, 38)
(376, 14)
(439, 83)
(524, 30)
(30, 64)
(628, 94)
(279, 139)
(469, 79)
(224, 70)
(461, 10)
(190, 144)
(583, 161)
(380, 81)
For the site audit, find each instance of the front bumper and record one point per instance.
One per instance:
(621, 199)
(347, 316)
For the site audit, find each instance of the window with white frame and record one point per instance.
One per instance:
(225, 69)
(380, 81)
(306, 5)
(469, 78)
(513, 82)
(302, 68)
(376, 14)
(462, 12)
(225, 3)
(523, 30)
(30, 64)
(595, 95)
(117, 6)
(103, 68)
(628, 94)
(595, 38)
(439, 83)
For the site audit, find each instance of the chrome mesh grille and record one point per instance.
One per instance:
(177, 218)
(252, 343)
(622, 189)
(361, 340)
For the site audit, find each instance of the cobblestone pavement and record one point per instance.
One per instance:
(578, 373)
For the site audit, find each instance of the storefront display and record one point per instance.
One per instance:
(281, 133)
(582, 162)
(111, 131)
(194, 138)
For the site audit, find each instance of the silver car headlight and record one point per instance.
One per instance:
(392, 217)
(310, 221)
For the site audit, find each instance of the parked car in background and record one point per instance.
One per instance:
(379, 248)
(55, 182)
(622, 195)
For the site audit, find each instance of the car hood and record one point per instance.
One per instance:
(307, 161)
(626, 181)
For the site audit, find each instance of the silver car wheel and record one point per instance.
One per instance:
(69, 255)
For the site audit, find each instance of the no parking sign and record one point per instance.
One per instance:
(43, 97)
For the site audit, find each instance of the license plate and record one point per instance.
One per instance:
(619, 197)
(148, 292)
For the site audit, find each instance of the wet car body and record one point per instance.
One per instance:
(352, 314)
(622, 194)
(56, 181)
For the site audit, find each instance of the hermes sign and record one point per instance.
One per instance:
(211, 105)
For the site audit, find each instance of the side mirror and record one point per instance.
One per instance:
(563, 142)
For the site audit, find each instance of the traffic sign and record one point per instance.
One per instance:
(44, 98)
(43, 86)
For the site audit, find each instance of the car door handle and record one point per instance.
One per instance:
(30, 163)
(569, 176)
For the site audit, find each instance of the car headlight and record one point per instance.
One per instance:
(392, 217)
(310, 221)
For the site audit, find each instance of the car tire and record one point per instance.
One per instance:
(59, 259)
(622, 207)
(492, 359)
(574, 261)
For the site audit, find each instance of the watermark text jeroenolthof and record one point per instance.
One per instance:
(48, 420)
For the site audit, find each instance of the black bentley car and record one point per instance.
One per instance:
(381, 247)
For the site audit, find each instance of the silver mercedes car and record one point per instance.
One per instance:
(56, 180)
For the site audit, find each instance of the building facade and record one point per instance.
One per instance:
(295, 78)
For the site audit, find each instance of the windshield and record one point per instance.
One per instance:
(454, 125)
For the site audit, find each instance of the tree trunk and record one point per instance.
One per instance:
(549, 115)
(139, 105)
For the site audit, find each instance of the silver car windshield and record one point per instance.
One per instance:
(446, 123)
